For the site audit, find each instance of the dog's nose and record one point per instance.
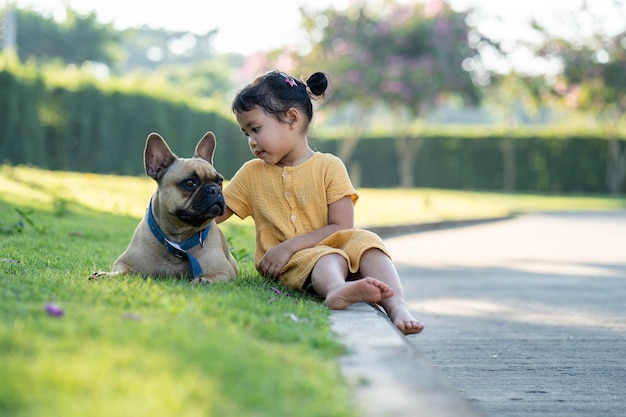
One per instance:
(213, 189)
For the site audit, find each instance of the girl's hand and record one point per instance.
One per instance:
(340, 217)
(275, 259)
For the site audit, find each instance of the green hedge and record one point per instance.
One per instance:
(90, 130)
(574, 164)
(87, 129)
(22, 136)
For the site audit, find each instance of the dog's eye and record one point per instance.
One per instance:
(190, 184)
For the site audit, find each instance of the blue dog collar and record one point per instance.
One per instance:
(179, 249)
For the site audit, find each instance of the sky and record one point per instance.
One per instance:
(246, 26)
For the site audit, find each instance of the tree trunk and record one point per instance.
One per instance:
(508, 164)
(347, 146)
(616, 166)
(407, 148)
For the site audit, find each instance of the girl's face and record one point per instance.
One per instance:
(276, 143)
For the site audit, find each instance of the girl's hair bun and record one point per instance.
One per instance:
(317, 83)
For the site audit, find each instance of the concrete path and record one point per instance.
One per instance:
(525, 317)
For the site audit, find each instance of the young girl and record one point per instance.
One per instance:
(302, 204)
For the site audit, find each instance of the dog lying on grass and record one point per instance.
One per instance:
(179, 236)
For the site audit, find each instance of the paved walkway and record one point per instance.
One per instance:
(525, 317)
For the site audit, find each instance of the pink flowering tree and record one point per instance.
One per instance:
(593, 79)
(407, 57)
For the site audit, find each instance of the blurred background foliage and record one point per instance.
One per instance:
(421, 96)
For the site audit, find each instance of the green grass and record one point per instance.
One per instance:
(423, 205)
(135, 346)
(144, 347)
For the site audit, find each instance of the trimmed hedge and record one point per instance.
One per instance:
(575, 164)
(87, 129)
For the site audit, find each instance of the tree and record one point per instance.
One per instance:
(405, 56)
(184, 60)
(593, 78)
(149, 48)
(76, 40)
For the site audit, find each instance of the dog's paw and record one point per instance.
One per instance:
(97, 275)
(94, 276)
(201, 280)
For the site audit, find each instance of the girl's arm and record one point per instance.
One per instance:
(227, 213)
(340, 217)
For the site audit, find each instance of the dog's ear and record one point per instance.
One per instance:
(157, 156)
(206, 147)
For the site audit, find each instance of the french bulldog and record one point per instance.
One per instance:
(179, 235)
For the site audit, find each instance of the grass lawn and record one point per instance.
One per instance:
(144, 347)
(422, 205)
(135, 346)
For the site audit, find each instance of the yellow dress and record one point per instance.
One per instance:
(286, 202)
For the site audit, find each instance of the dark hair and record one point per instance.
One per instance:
(276, 92)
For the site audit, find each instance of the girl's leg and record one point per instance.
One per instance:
(375, 263)
(328, 279)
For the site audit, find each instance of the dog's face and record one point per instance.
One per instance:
(189, 189)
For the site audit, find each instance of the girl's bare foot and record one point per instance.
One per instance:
(365, 290)
(405, 321)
